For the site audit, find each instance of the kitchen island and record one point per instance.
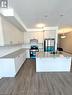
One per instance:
(47, 62)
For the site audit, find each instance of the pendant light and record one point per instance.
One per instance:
(63, 36)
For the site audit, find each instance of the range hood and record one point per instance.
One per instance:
(33, 41)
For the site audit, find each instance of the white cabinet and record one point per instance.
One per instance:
(7, 67)
(49, 34)
(10, 66)
(41, 35)
(33, 35)
(27, 53)
(19, 60)
(9, 33)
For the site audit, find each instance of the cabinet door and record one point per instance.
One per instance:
(33, 35)
(27, 54)
(17, 63)
(9, 32)
(12, 35)
(7, 68)
(49, 34)
(19, 60)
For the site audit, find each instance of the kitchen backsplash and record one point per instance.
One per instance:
(28, 45)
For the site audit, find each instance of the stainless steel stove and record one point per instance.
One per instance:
(33, 51)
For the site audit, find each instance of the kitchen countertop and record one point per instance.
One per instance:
(14, 54)
(39, 54)
(42, 54)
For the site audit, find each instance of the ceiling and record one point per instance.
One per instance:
(49, 12)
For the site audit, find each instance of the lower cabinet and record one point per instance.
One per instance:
(19, 60)
(27, 53)
(10, 66)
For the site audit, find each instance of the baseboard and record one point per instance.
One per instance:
(68, 52)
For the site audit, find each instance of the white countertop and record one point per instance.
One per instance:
(42, 54)
(14, 54)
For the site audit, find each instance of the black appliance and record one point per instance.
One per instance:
(33, 51)
(49, 45)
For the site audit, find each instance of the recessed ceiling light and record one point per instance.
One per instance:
(46, 16)
(61, 15)
(40, 25)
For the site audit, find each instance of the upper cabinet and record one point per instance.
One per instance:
(41, 35)
(33, 35)
(50, 34)
(9, 34)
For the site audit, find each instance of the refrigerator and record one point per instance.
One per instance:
(49, 45)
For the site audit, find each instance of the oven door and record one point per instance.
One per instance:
(32, 54)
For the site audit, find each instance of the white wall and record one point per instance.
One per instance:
(66, 43)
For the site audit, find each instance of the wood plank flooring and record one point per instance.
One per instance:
(28, 82)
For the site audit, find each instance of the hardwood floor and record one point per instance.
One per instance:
(28, 82)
